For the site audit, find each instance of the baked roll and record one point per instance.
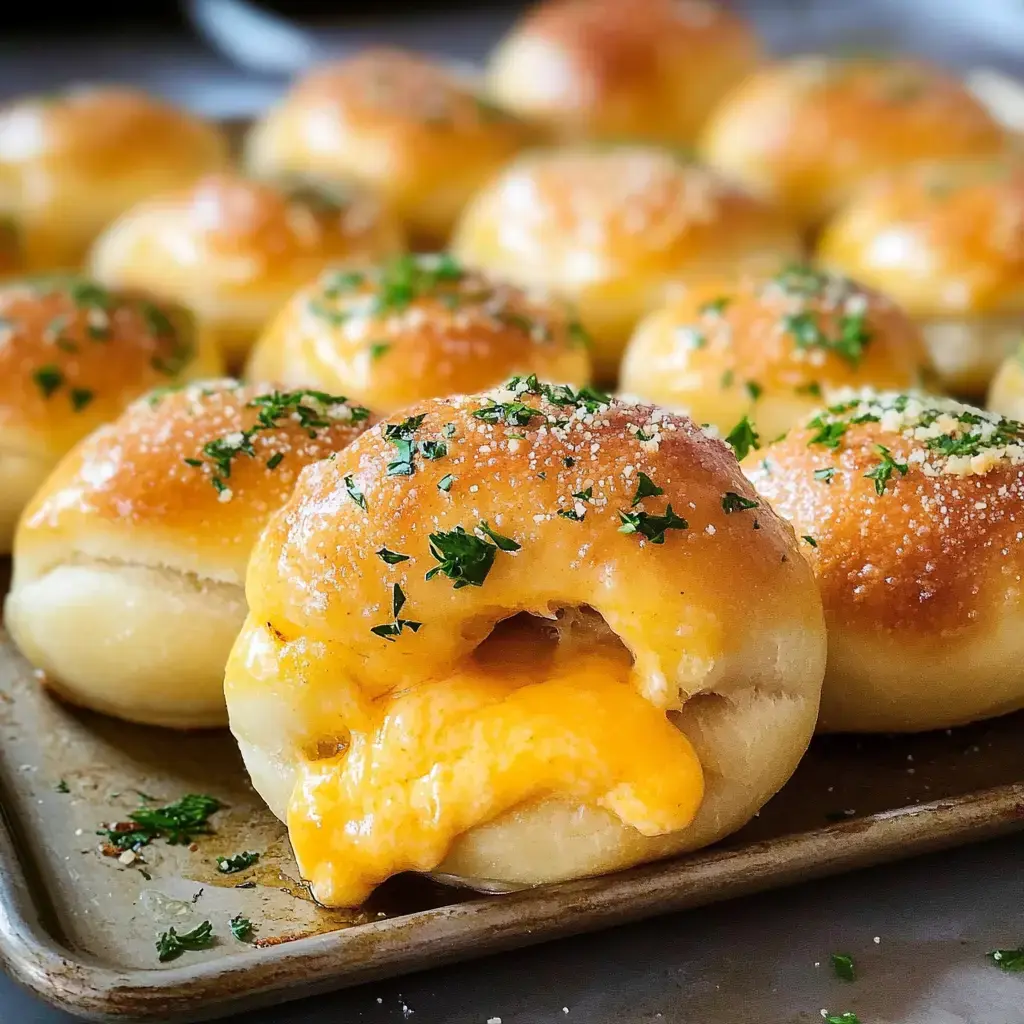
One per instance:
(649, 69)
(129, 563)
(72, 356)
(910, 508)
(521, 636)
(618, 231)
(235, 249)
(1006, 395)
(12, 260)
(70, 164)
(417, 327)
(808, 132)
(420, 136)
(769, 349)
(947, 242)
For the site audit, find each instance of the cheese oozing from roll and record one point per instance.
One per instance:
(502, 636)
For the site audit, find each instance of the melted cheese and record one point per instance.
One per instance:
(516, 724)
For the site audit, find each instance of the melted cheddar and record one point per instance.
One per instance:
(515, 724)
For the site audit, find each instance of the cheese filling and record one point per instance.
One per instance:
(519, 722)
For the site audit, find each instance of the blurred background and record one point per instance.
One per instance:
(229, 58)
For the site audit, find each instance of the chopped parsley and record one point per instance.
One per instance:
(1008, 959)
(390, 631)
(378, 348)
(754, 390)
(714, 307)
(810, 540)
(62, 787)
(882, 473)
(728, 379)
(733, 502)
(81, 397)
(177, 823)
(170, 945)
(742, 438)
(445, 483)
(354, 493)
(827, 432)
(241, 928)
(48, 379)
(511, 414)
(825, 474)
(465, 558)
(239, 862)
(812, 388)
(275, 460)
(651, 527)
(843, 966)
(801, 279)
(402, 436)
(645, 488)
(849, 345)
(391, 557)
(841, 1018)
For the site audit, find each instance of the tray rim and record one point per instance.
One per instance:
(370, 952)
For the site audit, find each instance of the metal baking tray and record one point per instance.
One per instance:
(79, 928)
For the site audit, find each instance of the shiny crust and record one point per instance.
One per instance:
(649, 69)
(920, 584)
(412, 130)
(75, 354)
(73, 163)
(769, 349)
(618, 231)
(461, 332)
(234, 249)
(129, 523)
(316, 587)
(943, 240)
(809, 131)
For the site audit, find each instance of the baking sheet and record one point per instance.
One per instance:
(79, 927)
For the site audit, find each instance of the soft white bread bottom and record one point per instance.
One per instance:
(966, 352)
(21, 474)
(142, 643)
(890, 682)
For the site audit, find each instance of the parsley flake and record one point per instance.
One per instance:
(48, 379)
(810, 540)
(177, 823)
(239, 862)
(445, 483)
(353, 491)
(841, 1018)
(241, 928)
(1008, 959)
(742, 438)
(170, 945)
(882, 473)
(645, 488)
(733, 502)
(843, 966)
(465, 558)
(80, 398)
(651, 527)
(826, 474)
(390, 631)
(391, 557)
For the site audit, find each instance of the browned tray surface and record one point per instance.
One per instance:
(79, 927)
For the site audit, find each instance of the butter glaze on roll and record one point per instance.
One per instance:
(418, 327)
(947, 242)
(647, 69)
(810, 131)
(420, 136)
(912, 512)
(72, 163)
(72, 356)
(235, 249)
(522, 636)
(770, 349)
(129, 563)
(618, 231)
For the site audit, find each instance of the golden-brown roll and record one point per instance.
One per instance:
(417, 327)
(1006, 395)
(235, 249)
(647, 69)
(618, 231)
(947, 242)
(810, 131)
(129, 564)
(72, 356)
(911, 509)
(70, 164)
(522, 636)
(417, 134)
(769, 349)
